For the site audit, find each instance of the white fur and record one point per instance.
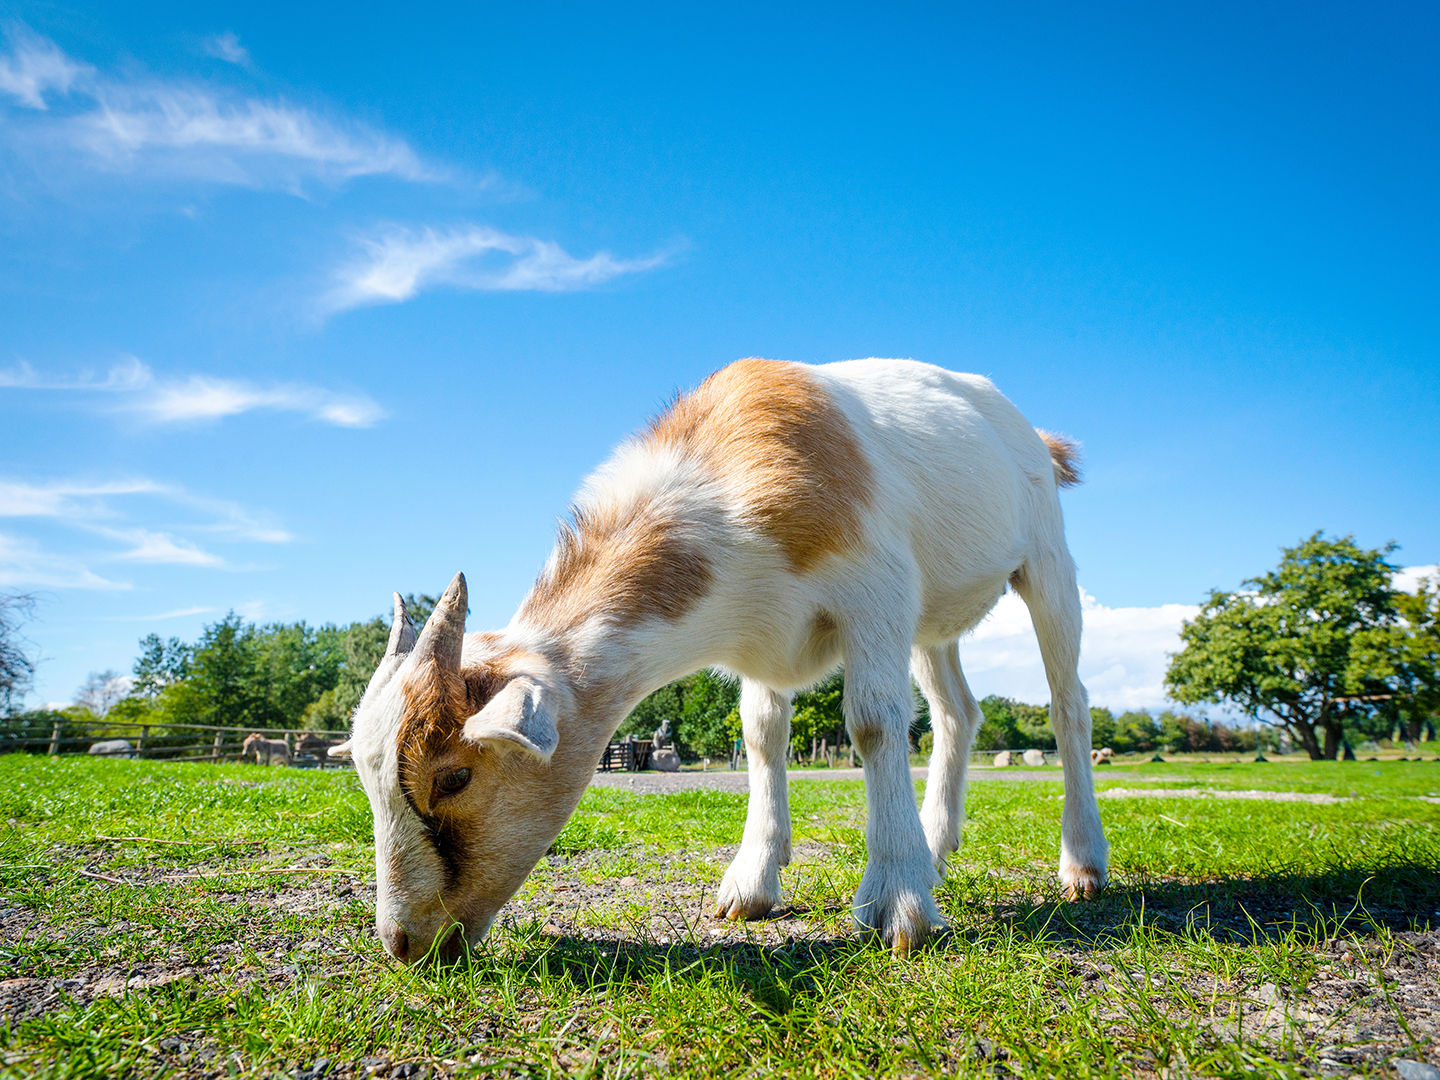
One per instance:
(963, 501)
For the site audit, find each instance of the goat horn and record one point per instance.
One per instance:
(444, 633)
(402, 631)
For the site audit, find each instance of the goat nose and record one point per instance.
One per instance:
(396, 940)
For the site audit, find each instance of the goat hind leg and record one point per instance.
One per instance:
(751, 886)
(954, 719)
(1047, 585)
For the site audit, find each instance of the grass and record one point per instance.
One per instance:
(1239, 937)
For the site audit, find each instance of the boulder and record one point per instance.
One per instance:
(112, 747)
(1034, 758)
(665, 760)
(1002, 759)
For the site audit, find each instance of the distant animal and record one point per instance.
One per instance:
(266, 751)
(112, 748)
(1101, 757)
(778, 521)
(317, 745)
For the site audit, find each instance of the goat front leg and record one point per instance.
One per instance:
(751, 886)
(896, 898)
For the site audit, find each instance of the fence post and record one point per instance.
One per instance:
(215, 751)
(55, 738)
(140, 745)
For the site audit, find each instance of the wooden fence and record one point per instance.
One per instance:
(168, 742)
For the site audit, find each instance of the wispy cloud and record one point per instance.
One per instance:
(180, 128)
(36, 67)
(179, 613)
(226, 47)
(152, 547)
(105, 513)
(138, 391)
(24, 564)
(396, 263)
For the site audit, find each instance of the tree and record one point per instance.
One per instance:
(102, 691)
(1283, 650)
(1406, 654)
(160, 664)
(17, 668)
(1013, 725)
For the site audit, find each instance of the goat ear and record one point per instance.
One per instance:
(444, 635)
(340, 750)
(518, 718)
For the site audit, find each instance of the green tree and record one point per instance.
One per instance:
(160, 664)
(362, 647)
(1283, 651)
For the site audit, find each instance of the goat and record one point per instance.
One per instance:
(266, 751)
(776, 521)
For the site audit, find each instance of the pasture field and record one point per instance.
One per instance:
(197, 920)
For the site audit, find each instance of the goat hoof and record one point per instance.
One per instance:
(1083, 883)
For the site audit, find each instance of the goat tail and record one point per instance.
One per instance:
(1064, 456)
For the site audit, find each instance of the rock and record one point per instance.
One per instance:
(111, 747)
(1002, 759)
(1034, 758)
(665, 761)
(1415, 1070)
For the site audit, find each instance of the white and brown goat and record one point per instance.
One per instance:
(778, 521)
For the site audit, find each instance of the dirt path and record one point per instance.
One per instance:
(658, 783)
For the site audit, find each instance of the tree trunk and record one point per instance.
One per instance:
(1306, 734)
(1332, 740)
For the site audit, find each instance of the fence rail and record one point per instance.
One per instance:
(168, 742)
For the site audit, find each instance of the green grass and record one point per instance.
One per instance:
(1212, 902)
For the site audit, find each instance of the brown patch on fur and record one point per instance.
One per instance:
(1064, 455)
(782, 448)
(627, 562)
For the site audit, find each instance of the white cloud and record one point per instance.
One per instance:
(178, 128)
(227, 47)
(201, 397)
(1408, 579)
(1122, 657)
(1124, 652)
(396, 263)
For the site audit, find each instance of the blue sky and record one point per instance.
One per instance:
(299, 305)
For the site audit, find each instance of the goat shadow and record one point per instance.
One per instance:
(1255, 909)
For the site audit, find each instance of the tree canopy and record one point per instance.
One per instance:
(1322, 642)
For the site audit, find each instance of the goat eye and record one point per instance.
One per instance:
(448, 783)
